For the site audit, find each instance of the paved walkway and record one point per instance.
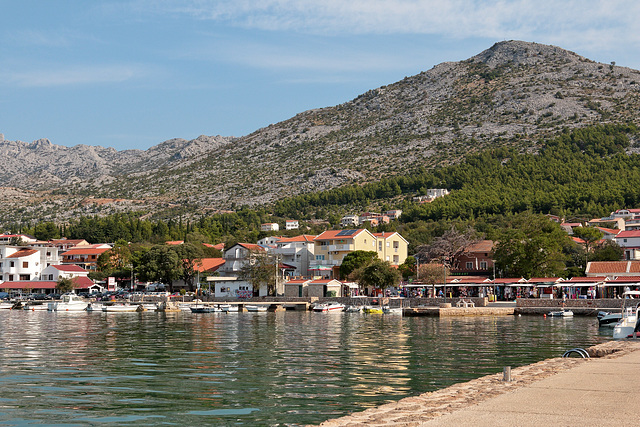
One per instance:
(563, 392)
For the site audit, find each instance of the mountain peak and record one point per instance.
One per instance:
(523, 53)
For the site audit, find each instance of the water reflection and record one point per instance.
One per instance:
(251, 368)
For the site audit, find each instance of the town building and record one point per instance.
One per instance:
(85, 257)
(391, 247)
(629, 241)
(19, 263)
(291, 224)
(477, 259)
(269, 226)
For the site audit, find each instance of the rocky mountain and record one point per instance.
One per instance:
(511, 94)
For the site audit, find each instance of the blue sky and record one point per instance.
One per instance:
(131, 74)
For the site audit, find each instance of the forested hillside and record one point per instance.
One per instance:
(580, 174)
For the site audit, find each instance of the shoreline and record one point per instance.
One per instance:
(417, 410)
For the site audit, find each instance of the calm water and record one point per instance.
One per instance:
(251, 368)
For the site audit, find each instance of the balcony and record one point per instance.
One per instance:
(335, 248)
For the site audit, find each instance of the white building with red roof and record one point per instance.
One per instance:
(25, 263)
(55, 272)
(85, 257)
(629, 241)
(238, 255)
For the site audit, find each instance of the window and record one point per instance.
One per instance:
(388, 244)
(396, 245)
(469, 266)
(11, 277)
(483, 265)
(379, 246)
(25, 264)
(396, 259)
(319, 257)
(12, 264)
(25, 277)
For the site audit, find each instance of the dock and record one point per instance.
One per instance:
(598, 391)
(458, 311)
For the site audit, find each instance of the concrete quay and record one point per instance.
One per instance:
(458, 311)
(600, 391)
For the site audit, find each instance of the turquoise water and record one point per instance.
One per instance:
(288, 368)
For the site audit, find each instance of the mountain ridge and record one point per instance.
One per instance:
(510, 94)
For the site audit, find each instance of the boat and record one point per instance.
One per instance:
(391, 310)
(373, 309)
(608, 319)
(6, 305)
(353, 309)
(256, 308)
(628, 326)
(68, 302)
(35, 306)
(329, 306)
(121, 308)
(205, 309)
(561, 313)
(229, 308)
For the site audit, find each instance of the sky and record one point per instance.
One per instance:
(132, 74)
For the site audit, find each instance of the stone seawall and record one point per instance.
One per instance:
(602, 303)
(416, 410)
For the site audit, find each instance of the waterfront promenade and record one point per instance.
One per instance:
(601, 391)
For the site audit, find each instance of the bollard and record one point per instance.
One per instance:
(506, 374)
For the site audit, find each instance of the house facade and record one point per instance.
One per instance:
(333, 245)
(477, 260)
(629, 241)
(392, 247)
(237, 256)
(19, 263)
(84, 257)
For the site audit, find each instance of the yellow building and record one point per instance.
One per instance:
(333, 245)
(392, 247)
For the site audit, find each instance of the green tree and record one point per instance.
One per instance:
(260, 270)
(160, 264)
(377, 274)
(190, 255)
(66, 284)
(408, 267)
(354, 260)
(531, 246)
(590, 236)
(608, 251)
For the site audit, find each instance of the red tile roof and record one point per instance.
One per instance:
(209, 264)
(85, 251)
(22, 253)
(628, 234)
(70, 268)
(613, 267)
(333, 234)
(174, 242)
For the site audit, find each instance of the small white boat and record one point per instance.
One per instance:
(6, 305)
(560, 313)
(121, 308)
(229, 308)
(628, 326)
(328, 307)
(256, 308)
(205, 309)
(35, 306)
(391, 310)
(353, 309)
(69, 302)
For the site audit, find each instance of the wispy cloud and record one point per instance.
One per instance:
(65, 76)
(587, 21)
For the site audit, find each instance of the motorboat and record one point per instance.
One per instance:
(122, 308)
(328, 307)
(628, 326)
(205, 309)
(608, 319)
(373, 309)
(353, 309)
(391, 310)
(229, 308)
(561, 313)
(68, 302)
(35, 306)
(256, 308)
(6, 305)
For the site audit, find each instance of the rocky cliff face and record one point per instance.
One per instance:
(511, 94)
